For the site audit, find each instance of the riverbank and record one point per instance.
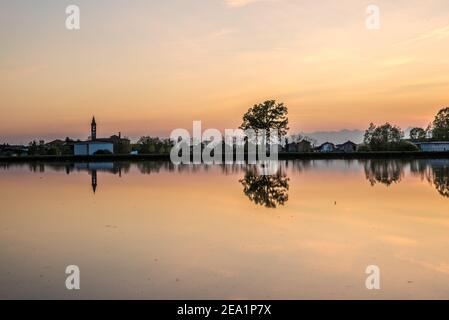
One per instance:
(282, 156)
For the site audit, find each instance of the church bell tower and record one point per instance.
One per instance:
(93, 129)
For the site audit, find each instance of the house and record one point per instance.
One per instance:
(121, 145)
(348, 146)
(326, 147)
(302, 146)
(94, 145)
(433, 146)
(55, 143)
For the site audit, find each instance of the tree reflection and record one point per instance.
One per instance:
(435, 171)
(269, 191)
(440, 176)
(384, 171)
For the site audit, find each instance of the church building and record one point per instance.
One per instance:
(94, 145)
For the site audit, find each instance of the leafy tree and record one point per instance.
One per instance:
(383, 138)
(440, 126)
(267, 116)
(33, 148)
(418, 134)
(369, 133)
(53, 151)
(404, 146)
(363, 148)
(148, 144)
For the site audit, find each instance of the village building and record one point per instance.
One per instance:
(326, 147)
(348, 146)
(7, 150)
(433, 146)
(302, 146)
(94, 145)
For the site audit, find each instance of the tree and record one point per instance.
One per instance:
(148, 144)
(32, 148)
(418, 134)
(383, 138)
(440, 130)
(267, 116)
(123, 146)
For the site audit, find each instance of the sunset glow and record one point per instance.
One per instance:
(147, 67)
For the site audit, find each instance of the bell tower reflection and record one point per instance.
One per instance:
(94, 168)
(94, 180)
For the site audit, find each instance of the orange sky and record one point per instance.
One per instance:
(149, 67)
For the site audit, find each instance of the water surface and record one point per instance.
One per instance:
(151, 230)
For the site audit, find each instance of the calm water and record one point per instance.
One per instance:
(154, 231)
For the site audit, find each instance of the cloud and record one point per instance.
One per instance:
(396, 62)
(441, 267)
(222, 32)
(435, 34)
(240, 3)
(398, 240)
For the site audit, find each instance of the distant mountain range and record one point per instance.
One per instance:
(336, 136)
(341, 136)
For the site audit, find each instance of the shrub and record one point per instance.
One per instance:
(363, 148)
(102, 152)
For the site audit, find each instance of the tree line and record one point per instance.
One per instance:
(389, 137)
(271, 115)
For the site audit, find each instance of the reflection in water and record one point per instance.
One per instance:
(189, 232)
(384, 171)
(435, 171)
(269, 191)
(94, 180)
(441, 179)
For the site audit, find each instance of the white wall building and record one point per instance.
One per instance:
(433, 146)
(88, 148)
(326, 147)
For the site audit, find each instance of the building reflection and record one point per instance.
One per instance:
(269, 190)
(94, 180)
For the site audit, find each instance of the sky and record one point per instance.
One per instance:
(147, 67)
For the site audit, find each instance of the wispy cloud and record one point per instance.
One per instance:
(399, 241)
(395, 62)
(435, 34)
(441, 267)
(240, 3)
(222, 32)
